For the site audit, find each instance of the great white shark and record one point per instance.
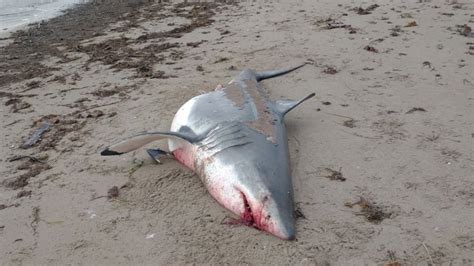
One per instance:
(234, 139)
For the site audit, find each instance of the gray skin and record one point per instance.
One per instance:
(235, 139)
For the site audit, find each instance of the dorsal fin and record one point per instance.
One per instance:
(284, 106)
(142, 139)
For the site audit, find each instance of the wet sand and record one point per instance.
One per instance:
(16, 14)
(382, 159)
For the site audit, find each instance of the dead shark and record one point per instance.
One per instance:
(234, 139)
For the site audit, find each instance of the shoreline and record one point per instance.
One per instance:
(45, 13)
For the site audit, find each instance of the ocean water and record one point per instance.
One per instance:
(15, 14)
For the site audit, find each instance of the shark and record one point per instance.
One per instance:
(234, 138)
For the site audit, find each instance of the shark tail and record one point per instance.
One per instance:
(275, 73)
(284, 106)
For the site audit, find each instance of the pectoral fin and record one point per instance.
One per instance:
(140, 140)
(156, 154)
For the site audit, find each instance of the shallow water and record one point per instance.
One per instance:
(17, 13)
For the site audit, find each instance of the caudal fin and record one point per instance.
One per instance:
(284, 106)
(275, 73)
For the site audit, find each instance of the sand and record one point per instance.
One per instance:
(382, 158)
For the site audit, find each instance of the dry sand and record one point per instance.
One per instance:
(391, 127)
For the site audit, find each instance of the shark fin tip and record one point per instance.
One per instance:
(108, 152)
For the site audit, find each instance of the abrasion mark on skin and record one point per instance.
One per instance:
(264, 123)
(235, 94)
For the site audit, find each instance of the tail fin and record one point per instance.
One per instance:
(275, 73)
(284, 106)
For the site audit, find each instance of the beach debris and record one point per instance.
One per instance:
(330, 70)
(330, 23)
(90, 213)
(371, 49)
(14, 122)
(373, 213)
(299, 214)
(47, 137)
(23, 193)
(411, 24)
(76, 76)
(35, 218)
(36, 42)
(195, 44)
(31, 158)
(427, 64)
(95, 114)
(395, 31)
(334, 24)
(33, 166)
(415, 109)
(447, 14)
(113, 192)
(332, 174)
(17, 104)
(221, 59)
(433, 137)
(465, 30)
(428, 253)
(32, 85)
(36, 136)
(392, 259)
(349, 123)
(365, 11)
(109, 92)
(136, 166)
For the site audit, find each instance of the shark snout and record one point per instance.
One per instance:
(279, 223)
(269, 214)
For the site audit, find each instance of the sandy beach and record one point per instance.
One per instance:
(382, 158)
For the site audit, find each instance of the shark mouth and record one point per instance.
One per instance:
(255, 216)
(248, 217)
